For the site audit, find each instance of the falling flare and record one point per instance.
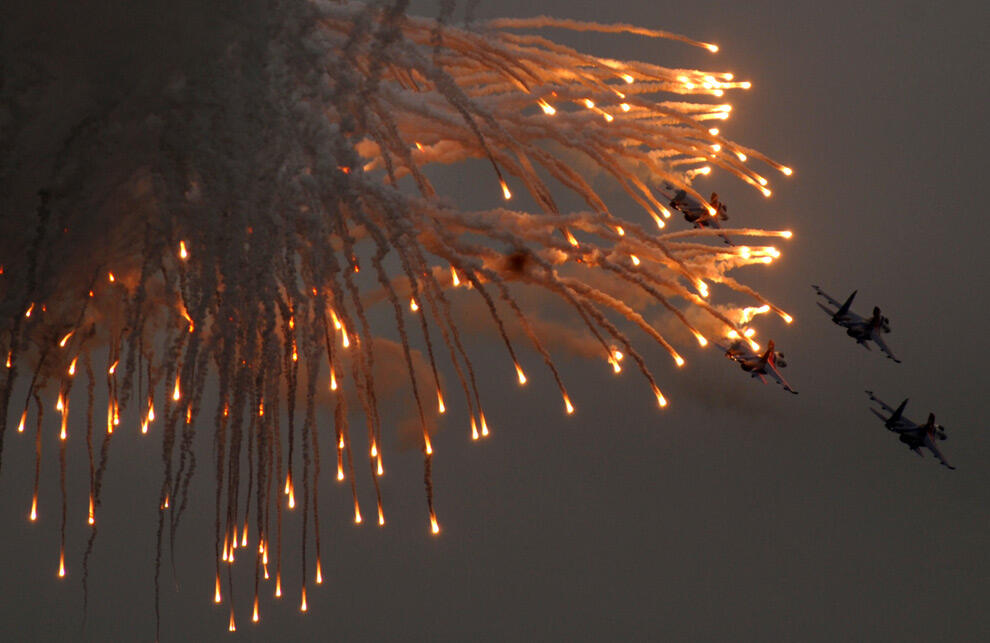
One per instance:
(333, 380)
(474, 429)
(61, 344)
(216, 590)
(92, 515)
(522, 376)
(661, 400)
(34, 508)
(61, 564)
(381, 516)
(278, 584)
(254, 615)
(567, 405)
(413, 306)
(319, 572)
(440, 405)
(176, 392)
(484, 425)
(434, 525)
(453, 278)
(20, 425)
(183, 254)
(302, 604)
(546, 107)
(232, 627)
(505, 191)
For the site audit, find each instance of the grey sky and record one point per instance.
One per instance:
(741, 512)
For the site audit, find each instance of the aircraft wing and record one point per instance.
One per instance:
(828, 298)
(930, 444)
(886, 407)
(775, 374)
(883, 346)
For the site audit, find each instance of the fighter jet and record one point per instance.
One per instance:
(859, 328)
(912, 434)
(696, 212)
(756, 364)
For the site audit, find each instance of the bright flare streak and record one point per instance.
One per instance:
(702, 288)
(766, 192)
(745, 84)
(635, 259)
(629, 79)
(333, 380)
(381, 517)
(177, 391)
(278, 585)
(661, 400)
(546, 107)
(110, 277)
(522, 376)
(440, 406)
(254, 616)
(625, 107)
(787, 171)
(27, 313)
(302, 605)
(570, 238)
(787, 318)
(183, 253)
(20, 425)
(484, 425)
(505, 191)
(59, 405)
(92, 513)
(61, 564)
(659, 221)
(567, 405)
(232, 627)
(701, 338)
(678, 360)
(474, 429)
(712, 48)
(374, 450)
(345, 341)
(64, 341)
(319, 572)
(717, 147)
(453, 277)
(336, 320)
(380, 471)
(434, 526)
(619, 230)
(590, 104)
(357, 514)
(413, 306)
(754, 345)
(34, 509)
(216, 590)
(113, 367)
(749, 332)
(713, 131)
(787, 234)
(742, 157)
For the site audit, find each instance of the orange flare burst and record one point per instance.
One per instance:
(61, 344)
(216, 590)
(34, 508)
(232, 627)
(176, 391)
(440, 406)
(484, 425)
(183, 253)
(61, 564)
(505, 191)
(567, 405)
(302, 603)
(434, 525)
(522, 376)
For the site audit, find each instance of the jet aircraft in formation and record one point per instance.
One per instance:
(914, 435)
(697, 213)
(760, 365)
(861, 329)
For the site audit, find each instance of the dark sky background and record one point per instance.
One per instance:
(741, 512)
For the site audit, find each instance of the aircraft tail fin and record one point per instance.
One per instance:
(896, 417)
(769, 356)
(844, 308)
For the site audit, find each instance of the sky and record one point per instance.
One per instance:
(740, 512)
